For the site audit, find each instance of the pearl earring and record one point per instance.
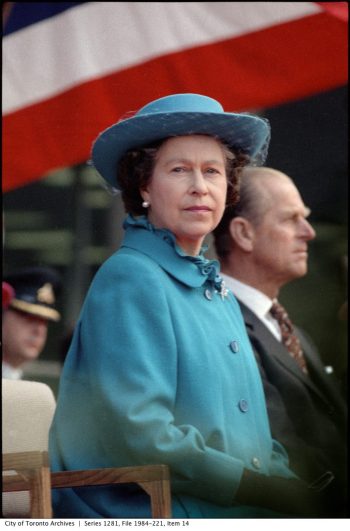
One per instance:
(145, 204)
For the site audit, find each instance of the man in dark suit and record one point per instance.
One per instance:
(262, 244)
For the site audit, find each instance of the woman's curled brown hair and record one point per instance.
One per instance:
(136, 167)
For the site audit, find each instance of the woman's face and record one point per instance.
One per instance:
(187, 191)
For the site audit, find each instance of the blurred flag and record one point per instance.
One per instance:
(70, 69)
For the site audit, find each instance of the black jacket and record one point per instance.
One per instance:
(307, 413)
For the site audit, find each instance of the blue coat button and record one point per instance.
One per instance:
(243, 405)
(234, 346)
(208, 294)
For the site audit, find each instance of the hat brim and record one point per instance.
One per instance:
(35, 309)
(249, 133)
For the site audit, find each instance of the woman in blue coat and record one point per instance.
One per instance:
(160, 369)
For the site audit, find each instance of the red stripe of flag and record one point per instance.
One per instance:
(337, 9)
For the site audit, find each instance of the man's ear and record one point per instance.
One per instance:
(242, 232)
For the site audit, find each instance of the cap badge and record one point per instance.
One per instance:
(45, 294)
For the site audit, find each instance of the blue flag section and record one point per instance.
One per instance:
(22, 14)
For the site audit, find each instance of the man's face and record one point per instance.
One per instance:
(281, 237)
(23, 337)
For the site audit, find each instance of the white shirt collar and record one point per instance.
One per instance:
(256, 301)
(259, 303)
(11, 373)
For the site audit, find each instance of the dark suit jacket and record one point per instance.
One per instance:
(307, 413)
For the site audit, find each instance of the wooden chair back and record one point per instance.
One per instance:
(28, 409)
(27, 412)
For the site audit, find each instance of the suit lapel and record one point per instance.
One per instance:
(316, 368)
(257, 330)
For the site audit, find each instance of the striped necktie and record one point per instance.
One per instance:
(289, 339)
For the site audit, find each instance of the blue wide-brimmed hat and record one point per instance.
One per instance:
(174, 115)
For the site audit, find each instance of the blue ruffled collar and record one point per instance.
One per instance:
(207, 268)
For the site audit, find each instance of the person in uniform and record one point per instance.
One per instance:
(29, 309)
